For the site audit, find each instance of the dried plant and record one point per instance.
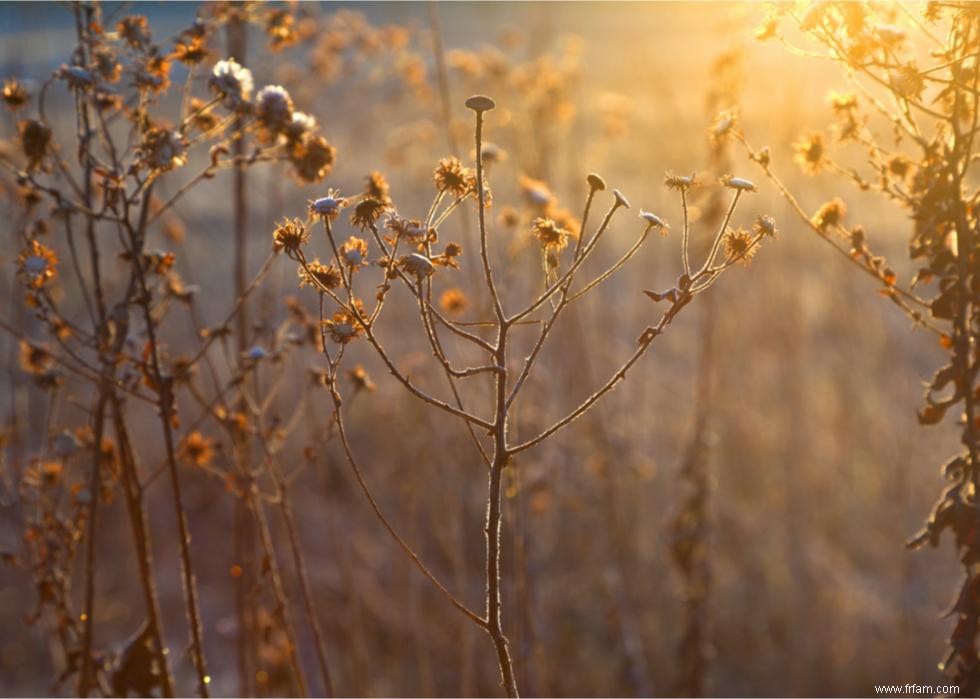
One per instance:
(406, 257)
(103, 327)
(912, 113)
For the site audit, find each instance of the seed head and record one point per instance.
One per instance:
(552, 236)
(38, 264)
(319, 275)
(738, 183)
(480, 103)
(679, 182)
(274, 107)
(367, 212)
(313, 158)
(290, 235)
(655, 222)
(417, 264)
(621, 200)
(765, 225)
(232, 82)
(451, 176)
(354, 252)
(596, 183)
(830, 214)
(738, 245)
(328, 207)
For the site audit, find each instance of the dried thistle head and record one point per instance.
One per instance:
(135, 31)
(450, 176)
(367, 212)
(737, 183)
(830, 214)
(354, 252)
(190, 50)
(765, 225)
(377, 187)
(319, 275)
(163, 149)
(232, 82)
(680, 183)
(197, 449)
(312, 158)
(553, 237)
(274, 108)
(327, 207)
(37, 264)
(739, 246)
(343, 326)
(290, 235)
(416, 264)
(14, 94)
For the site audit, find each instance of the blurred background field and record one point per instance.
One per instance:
(819, 470)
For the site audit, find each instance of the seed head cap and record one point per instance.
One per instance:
(480, 103)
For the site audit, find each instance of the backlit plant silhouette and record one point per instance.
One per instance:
(913, 111)
(406, 257)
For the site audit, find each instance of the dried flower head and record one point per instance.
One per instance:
(354, 252)
(163, 149)
(655, 222)
(290, 235)
(377, 187)
(190, 49)
(411, 230)
(724, 123)
(35, 359)
(416, 264)
(197, 449)
(367, 212)
(738, 245)
(274, 108)
(232, 82)
(14, 94)
(453, 301)
(344, 326)
(327, 207)
(737, 183)
(830, 214)
(313, 158)
(765, 225)
(37, 264)
(450, 176)
(134, 30)
(552, 236)
(319, 275)
(680, 183)
(596, 183)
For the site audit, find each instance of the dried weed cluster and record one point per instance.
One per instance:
(912, 113)
(100, 305)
